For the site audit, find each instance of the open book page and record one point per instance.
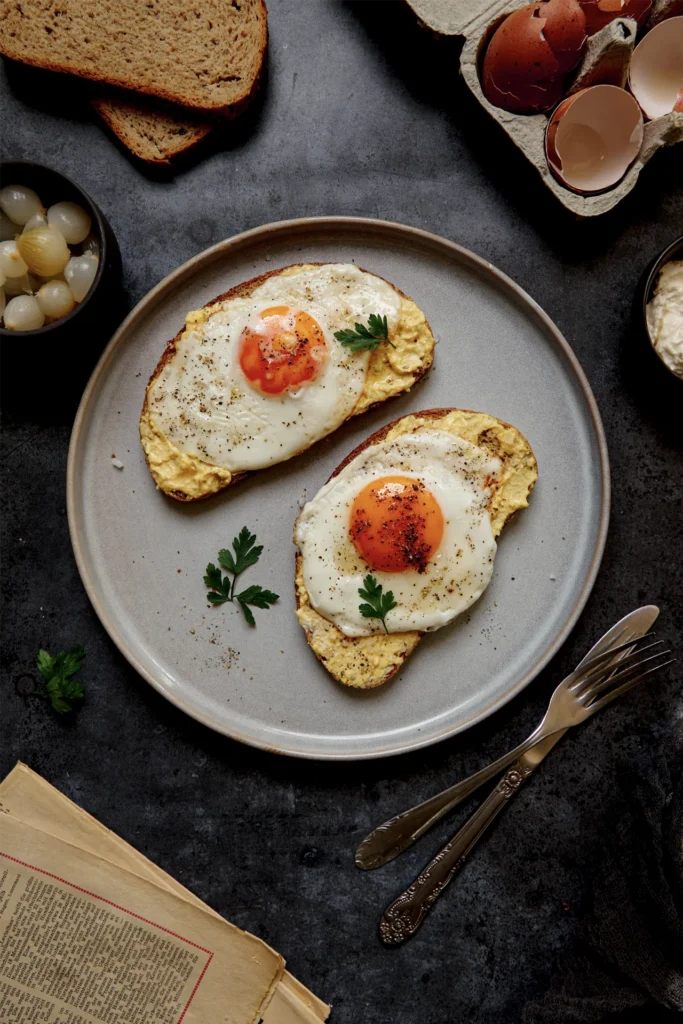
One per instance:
(83, 941)
(28, 796)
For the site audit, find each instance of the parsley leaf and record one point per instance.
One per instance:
(368, 337)
(60, 686)
(379, 605)
(246, 552)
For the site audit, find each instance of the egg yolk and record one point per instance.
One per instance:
(396, 524)
(282, 349)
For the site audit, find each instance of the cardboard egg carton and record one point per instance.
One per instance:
(605, 60)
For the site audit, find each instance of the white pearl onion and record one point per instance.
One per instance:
(38, 220)
(23, 314)
(7, 228)
(19, 203)
(71, 220)
(11, 262)
(80, 273)
(3, 303)
(55, 299)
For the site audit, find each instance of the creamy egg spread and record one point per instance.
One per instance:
(204, 422)
(665, 316)
(368, 661)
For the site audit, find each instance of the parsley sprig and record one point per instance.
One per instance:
(368, 337)
(222, 588)
(379, 605)
(58, 672)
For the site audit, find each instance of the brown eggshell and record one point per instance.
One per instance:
(529, 52)
(656, 71)
(599, 13)
(527, 99)
(564, 30)
(593, 137)
(518, 55)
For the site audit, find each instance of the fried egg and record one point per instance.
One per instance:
(260, 377)
(413, 514)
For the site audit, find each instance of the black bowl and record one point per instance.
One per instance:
(672, 252)
(54, 187)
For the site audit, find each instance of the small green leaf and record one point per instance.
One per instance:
(226, 559)
(368, 337)
(44, 664)
(379, 605)
(248, 614)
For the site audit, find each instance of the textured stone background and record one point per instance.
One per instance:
(361, 113)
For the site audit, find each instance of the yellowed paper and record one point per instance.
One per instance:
(31, 798)
(85, 942)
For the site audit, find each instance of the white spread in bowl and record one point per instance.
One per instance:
(665, 316)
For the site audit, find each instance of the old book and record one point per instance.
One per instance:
(26, 795)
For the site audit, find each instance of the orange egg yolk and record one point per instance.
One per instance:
(396, 524)
(282, 349)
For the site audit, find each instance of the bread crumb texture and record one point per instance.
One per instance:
(368, 661)
(148, 129)
(362, 662)
(204, 55)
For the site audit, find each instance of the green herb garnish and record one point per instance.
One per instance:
(379, 605)
(60, 686)
(369, 337)
(246, 553)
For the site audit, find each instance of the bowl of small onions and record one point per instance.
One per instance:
(57, 250)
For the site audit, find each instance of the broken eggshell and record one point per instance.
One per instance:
(593, 138)
(600, 12)
(656, 72)
(529, 53)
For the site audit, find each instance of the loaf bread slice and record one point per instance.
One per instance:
(368, 661)
(206, 56)
(392, 370)
(150, 130)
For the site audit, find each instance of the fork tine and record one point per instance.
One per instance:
(627, 655)
(619, 691)
(627, 668)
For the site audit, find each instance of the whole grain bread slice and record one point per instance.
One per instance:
(152, 131)
(206, 56)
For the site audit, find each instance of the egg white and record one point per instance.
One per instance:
(459, 476)
(204, 404)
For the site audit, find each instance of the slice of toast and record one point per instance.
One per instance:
(391, 370)
(368, 661)
(205, 56)
(151, 131)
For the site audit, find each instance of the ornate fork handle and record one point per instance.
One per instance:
(405, 915)
(387, 841)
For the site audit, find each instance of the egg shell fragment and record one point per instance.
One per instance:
(656, 72)
(599, 13)
(529, 53)
(593, 138)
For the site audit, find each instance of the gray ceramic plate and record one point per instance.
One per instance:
(142, 556)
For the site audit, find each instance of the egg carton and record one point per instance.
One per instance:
(605, 60)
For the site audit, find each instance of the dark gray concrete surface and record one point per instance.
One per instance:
(361, 113)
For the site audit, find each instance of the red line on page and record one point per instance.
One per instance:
(132, 913)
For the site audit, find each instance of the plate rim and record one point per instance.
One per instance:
(380, 226)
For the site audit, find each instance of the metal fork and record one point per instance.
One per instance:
(405, 915)
(568, 706)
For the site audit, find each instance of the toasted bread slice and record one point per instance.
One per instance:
(152, 131)
(368, 661)
(206, 56)
(392, 370)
